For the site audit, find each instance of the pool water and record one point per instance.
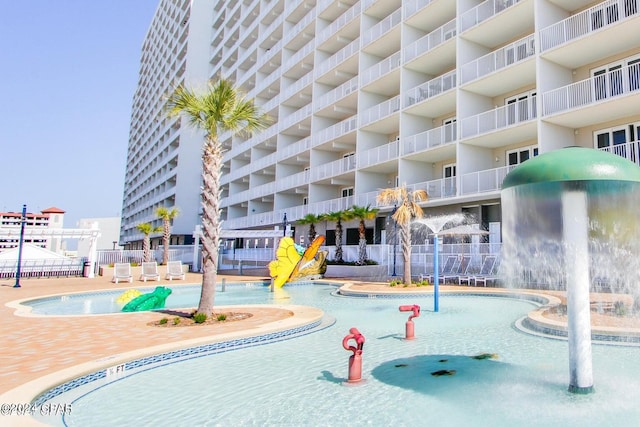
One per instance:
(106, 302)
(300, 382)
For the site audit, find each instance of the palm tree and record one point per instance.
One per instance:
(338, 217)
(363, 213)
(408, 209)
(147, 229)
(166, 215)
(221, 108)
(311, 220)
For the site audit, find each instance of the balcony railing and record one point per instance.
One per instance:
(432, 138)
(346, 52)
(337, 167)
(296, 117)
(431, 88)
(413, 6)
(381, 68)
(483, 181)
(352, 13)
(430, 41)
(338, 93)
(501, 58)
(292, 181)
(334, 131)
(484, 11)
(382, 27)
(629, 150)
(498, 118)
(376, 155)
(294, 149)
(381, 110)
(596, 89)
(600, 16)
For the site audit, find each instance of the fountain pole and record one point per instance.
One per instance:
(436, 274)
(575, 230)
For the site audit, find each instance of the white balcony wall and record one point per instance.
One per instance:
(498, 118)
(381, 154)
(381, 110)
(431, 88)
(380, 69)
(484, 11)
(382, 27)
(428, 139)
(430, 41)
(499, 59)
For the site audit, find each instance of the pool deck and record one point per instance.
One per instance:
(40, 352)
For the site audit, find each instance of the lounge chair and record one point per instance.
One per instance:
(122, 272)
(460, 268)
(174, 270)
(447, 268)
(487, 271)
(150, 271)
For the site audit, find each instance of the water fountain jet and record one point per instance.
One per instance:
(566, 214)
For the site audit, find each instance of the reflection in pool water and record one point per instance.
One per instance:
(300, 381)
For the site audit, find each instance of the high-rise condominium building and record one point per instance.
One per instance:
(442, 95)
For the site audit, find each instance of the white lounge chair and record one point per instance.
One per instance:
(122, 272)
(487, 272)
(174, 270)
(150, 271)
(445, 269)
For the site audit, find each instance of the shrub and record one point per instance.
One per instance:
(176, 320)
(619, 309)
(163, 321)
(199, 317)
(221, 317)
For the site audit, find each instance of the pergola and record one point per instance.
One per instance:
(13, 233)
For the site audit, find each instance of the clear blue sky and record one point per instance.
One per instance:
(68, 71)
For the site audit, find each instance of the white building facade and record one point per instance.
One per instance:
(443, 95)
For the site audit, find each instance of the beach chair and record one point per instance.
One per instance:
(447, 267)
(486, 271)
(122, 272)
(150, 271)
(174, 270)
(459, 268)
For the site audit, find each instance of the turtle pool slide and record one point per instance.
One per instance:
(150, 301)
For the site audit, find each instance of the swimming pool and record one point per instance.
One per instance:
(300, 381)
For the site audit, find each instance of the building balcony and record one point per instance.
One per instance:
(336, 26)
(332, 97)
(349, 54)
(334, 132)
(333, 169)
(382, 68)
(380, 111)
(598, 99)
(429, 140)
(628, 150)
(484, 181)
(514, 59)
(612, 27)
(433, 98)
(375, 156)
(288, 182)
(384, 33)
(431, 53)
(493, 22)
(508, 118)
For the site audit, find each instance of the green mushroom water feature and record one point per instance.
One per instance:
(570, 223)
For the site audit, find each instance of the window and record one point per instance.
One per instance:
(521, 107)
(347, 191)
(449, 129)
(305, 200)
(520, 155)
(449, 174)
(622, 140)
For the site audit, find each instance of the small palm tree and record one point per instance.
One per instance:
(338, 217)
(147, 229)
(221, 108)
(363, 213)
(311, 220)
(408, 209)
(166, 215)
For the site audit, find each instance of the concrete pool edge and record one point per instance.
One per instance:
(28, 392)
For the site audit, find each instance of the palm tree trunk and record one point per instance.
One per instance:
(362, 245)
(312, 233)
(211, 225)
(165, 241)
(146, 248)
(339, 241)
(406, 252)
